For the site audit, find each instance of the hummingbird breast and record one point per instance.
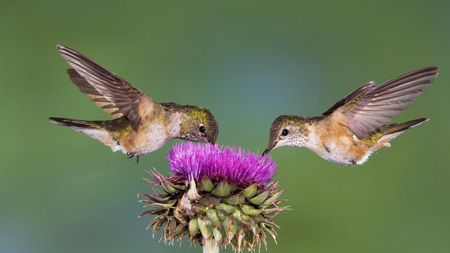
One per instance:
(332, 139)
(154, 131)
(144, 141)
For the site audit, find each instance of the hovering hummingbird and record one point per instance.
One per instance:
(140, 125)
(355, 126)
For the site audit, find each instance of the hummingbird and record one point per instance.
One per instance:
(140, 125)
(356, 125)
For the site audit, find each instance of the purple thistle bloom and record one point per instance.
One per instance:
(217, 196)
(237, 167)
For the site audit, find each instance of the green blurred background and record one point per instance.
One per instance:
(248, 62)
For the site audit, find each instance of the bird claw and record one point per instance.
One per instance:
(131, 155)
(137, 159)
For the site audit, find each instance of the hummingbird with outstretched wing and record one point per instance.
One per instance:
(356, 125)
(140, 125)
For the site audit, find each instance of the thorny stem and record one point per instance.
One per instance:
(210, 246)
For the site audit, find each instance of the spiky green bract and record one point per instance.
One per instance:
(209, 203)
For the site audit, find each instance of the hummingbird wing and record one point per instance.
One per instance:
(353, 95)
(107, 90)
(369, 110)
(93, 94)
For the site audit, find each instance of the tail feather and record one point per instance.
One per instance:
(400, 127)
(71, 122)
(384, 134)
(91, 129)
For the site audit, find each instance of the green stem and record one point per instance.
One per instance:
(210, 246)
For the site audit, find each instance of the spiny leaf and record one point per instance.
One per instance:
(192, 192)
(155, 198)
(153, 222)
(223, 189)
(226, 207)
(260, 198)
(213, 217)
(217, 234)
(250, 191)
(271, 232)
(274, 197)
(236, 199)
(157, 211)
(156, 190)
(206, 185)
(193, 227)
(250, 210)
(230, 228)
(168, 204)
(204, 227)
(158, 225)
(168, 187)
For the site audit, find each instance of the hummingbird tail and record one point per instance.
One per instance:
(91, 129)
(391, 131)
(70, 122)
(400, 127)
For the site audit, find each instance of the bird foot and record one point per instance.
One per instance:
(131, 155)
(137, 159)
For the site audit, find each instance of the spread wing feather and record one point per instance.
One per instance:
(369, 107)
(107, 90)
(93, 94)
(353, 95)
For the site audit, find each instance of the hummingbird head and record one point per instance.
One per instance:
(287, 131)
(200, 126)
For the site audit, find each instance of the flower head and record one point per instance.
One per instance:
(215, 195)
(237, 167)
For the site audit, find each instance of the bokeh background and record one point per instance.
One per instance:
(248, 62)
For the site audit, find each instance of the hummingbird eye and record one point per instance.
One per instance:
(284, 132)
(202, 129)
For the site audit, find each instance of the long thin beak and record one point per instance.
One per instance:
(212, 140)
(269, 149)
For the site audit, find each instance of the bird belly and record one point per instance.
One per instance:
(337, 144)
(100, 135)
(145, 140)
(347, 155)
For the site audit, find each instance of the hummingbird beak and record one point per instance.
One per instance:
(212, 140)
(269, 149)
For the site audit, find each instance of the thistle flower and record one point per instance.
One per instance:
(216, 196)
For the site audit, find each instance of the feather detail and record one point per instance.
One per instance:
(370, 110)
(110, 92)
